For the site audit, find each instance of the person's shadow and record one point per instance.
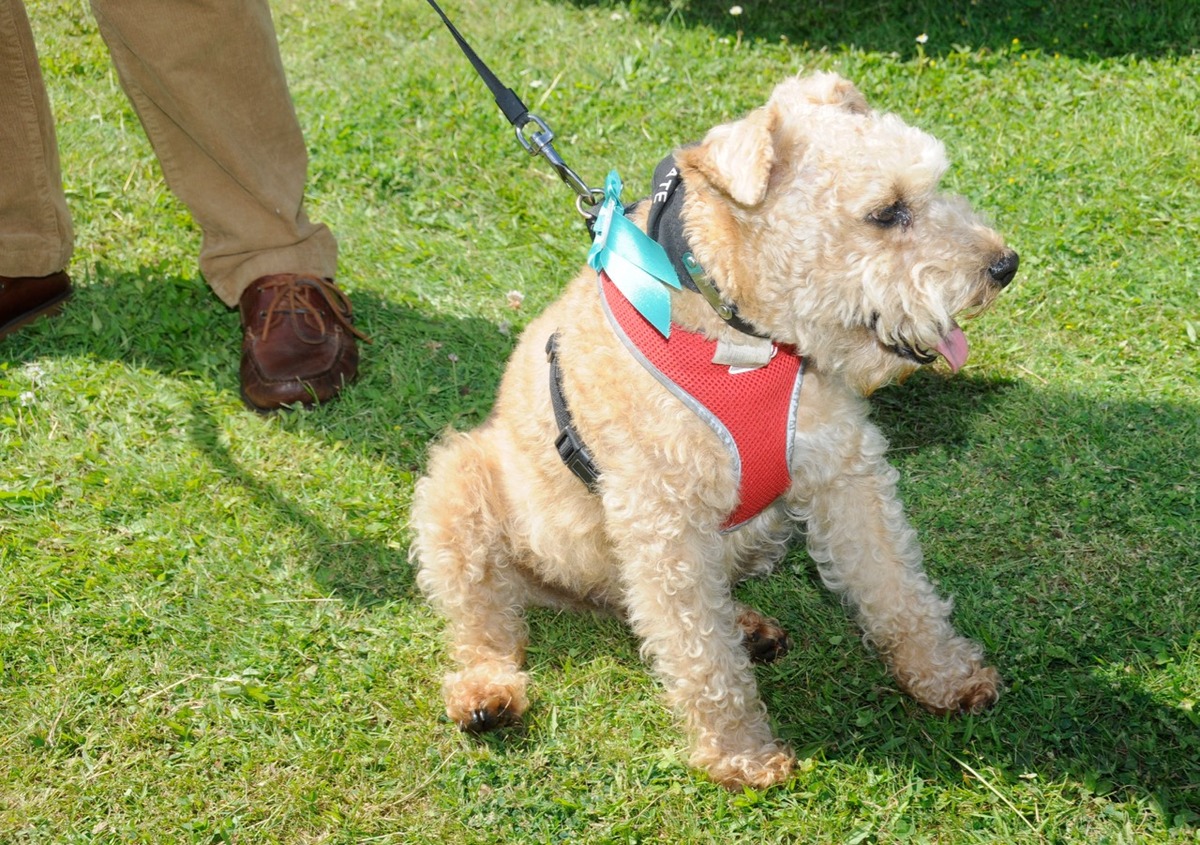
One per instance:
(421, 374)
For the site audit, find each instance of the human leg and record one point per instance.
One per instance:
(35, 226)
(208, 84)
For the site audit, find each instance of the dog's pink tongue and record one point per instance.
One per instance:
(954, 348)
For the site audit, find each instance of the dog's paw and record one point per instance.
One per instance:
(763, 638)
(480, 699)
(979, 692)
(768, 767)
(974, 694)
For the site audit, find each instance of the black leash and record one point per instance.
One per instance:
(569, 445)
(665, 226)
(540, 141)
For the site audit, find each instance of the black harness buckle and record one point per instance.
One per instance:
(576, 456)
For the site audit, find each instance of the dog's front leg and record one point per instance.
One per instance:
(679, 603)
(866, 550)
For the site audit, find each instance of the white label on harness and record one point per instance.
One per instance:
(745, 355)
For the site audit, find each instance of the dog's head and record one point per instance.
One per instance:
(821, 219)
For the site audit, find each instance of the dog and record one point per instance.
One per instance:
(818, 228)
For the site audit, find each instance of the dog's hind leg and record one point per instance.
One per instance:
(866, 550)
(459, 515)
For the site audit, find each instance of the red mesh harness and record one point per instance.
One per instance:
(752, 412)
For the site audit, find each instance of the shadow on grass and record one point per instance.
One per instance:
(421, 375)
(1086, 29)
(1065, 527)
(1077, 518)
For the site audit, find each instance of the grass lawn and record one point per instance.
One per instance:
(209, 630)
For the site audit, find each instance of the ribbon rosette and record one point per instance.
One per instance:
(636, 263)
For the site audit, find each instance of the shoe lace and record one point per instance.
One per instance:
(288, 300)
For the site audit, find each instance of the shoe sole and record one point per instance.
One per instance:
(47, 309)
(267, 410)
(311, 402)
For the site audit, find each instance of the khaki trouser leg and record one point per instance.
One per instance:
(207, 82)
(35, 226)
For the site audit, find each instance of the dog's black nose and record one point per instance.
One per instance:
(1002, 271)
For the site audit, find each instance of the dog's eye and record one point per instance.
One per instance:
(896, 214)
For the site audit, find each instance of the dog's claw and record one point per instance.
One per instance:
(484, 719)
(481, 720)
(983, 695)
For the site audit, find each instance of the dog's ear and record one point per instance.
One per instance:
(736, 158)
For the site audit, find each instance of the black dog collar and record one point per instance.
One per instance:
(665, 225)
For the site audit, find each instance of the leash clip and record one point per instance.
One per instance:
(540, 143)
(520, 117)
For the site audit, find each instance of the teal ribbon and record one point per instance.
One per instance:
(637, 264)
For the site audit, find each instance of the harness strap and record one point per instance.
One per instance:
(569, 444)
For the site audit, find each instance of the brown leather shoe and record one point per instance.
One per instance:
(297, 341)
(25, 298)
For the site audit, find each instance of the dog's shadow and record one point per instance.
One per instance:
(1065, 527)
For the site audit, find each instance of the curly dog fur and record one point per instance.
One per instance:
(821, 219)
